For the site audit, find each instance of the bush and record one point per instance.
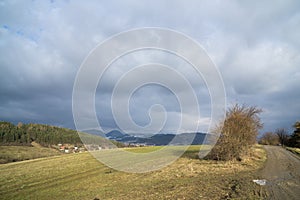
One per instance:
(237, 133)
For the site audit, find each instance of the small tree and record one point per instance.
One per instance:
(282, 136)
(237, 134)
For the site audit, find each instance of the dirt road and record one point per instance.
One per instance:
(282, 172)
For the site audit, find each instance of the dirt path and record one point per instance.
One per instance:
(282, 172)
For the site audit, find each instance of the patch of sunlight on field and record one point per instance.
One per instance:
(148, 149)
(143, 159)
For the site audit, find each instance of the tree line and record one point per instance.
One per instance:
(24, 134)
(282, 137)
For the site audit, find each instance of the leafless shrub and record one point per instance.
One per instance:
(237, 134)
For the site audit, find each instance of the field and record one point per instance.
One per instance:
(19, 153)
(80, 176)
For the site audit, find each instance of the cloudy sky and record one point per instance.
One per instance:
(255, 45)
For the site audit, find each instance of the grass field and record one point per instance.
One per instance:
(19, 153)
(80, 176)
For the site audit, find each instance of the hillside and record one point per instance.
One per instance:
(20, 153)
(24, 134)
(46, 135)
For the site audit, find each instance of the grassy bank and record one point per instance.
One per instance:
(80, 176)
(19, 153)
(294, 150)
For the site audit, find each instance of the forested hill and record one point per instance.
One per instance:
(24, 134)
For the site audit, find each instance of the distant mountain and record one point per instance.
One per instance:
(95, 132)
(115, 134)
(121, 137)
(158, 139)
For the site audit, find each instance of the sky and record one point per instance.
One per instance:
(254, 44)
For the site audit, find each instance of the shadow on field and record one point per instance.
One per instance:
(191, 154)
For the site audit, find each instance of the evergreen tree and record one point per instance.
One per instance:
(294, 141)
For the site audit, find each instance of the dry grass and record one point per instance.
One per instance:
(80, 176)
(19, 153)
(294, 150)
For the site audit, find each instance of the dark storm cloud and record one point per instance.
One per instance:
(255, 45)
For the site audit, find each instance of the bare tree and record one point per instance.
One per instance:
(282, 136)
(269, 138)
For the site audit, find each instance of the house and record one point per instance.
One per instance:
(62, 148)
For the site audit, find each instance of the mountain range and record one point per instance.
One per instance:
(158, 139)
